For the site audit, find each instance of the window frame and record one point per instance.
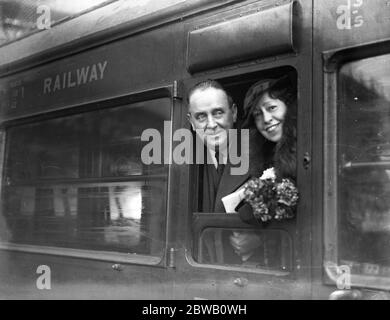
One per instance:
(168, 91)
(200, 221)
(333, 60)
(204, 221)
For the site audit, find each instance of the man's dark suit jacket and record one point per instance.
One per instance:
(228, 183)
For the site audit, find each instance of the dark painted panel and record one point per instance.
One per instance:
(78, 279)
(256, 35)
(115, 69)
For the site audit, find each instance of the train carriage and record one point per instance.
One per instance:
(79, 202)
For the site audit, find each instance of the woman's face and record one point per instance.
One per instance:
(269, 116)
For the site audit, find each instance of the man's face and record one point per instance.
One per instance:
(211, 116)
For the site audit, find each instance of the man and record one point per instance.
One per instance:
(211, 113)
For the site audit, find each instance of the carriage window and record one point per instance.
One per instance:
(78, 181)
(364, 166)
(272, 250)
(219, 236)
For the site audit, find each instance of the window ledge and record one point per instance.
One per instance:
(117, 257)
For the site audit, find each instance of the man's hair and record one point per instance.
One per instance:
(209, 83)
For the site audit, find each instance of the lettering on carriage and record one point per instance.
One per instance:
(16, 89)
(75, 78)
(348, 15)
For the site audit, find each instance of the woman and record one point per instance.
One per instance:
(270, 107)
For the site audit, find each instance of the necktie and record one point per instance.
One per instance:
(220, 166)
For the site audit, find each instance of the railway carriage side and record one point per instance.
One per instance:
(85, 195)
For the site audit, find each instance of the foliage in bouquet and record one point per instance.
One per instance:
(271, 199)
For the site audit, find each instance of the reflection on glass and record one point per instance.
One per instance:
(272, 251)
(364, 163)
(19, 18)
(79, 182)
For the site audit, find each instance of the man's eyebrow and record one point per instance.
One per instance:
(199, 113)
(217, 109)
(212, 111)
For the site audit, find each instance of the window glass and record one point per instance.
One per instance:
(273, 248)
(79, 181)
(364, 166)
(19, 18)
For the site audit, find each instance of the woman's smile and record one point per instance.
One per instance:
(273, 127)
(269, 117)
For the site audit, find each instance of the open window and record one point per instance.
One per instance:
(213, 231)
(78, 182)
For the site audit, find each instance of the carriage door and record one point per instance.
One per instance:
(239, 47)
(352, 65)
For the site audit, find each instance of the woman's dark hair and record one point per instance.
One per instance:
(284, 151)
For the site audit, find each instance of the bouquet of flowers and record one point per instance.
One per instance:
(270, 199)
